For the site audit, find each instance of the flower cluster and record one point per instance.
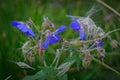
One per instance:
(88, 31)
(51, 37)
(84, 26)
(90, 39)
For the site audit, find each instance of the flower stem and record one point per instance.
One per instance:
(101, 37)
(105, 65)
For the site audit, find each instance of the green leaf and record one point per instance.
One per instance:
(38, 75)
(78, 62)
(63, 77)
(47, 73)
(69, 59)
(50, 73)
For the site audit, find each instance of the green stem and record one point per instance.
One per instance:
(53, 61)
(57, 62)
(44, 62)
(105, 65)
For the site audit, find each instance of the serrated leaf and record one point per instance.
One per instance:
(78, 61)
(50, 73)
(69, 59)
(38, 75)
(64, 67)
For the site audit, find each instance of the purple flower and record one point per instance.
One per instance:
(60, 29)
(82, 35)
(76, 27)
(23, 27)
(53, 37)
(99, 44)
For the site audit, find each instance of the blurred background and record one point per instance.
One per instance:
(56, 10)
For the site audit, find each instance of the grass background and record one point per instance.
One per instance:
(56, 10)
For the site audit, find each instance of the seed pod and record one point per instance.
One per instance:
(101, 53)
(30, 58)
(114, 43)
(86, 61)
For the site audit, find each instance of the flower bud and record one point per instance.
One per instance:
(41, 54)
(29, 22)
(87, 53)
(86, 61)
(45, 22)
(51, 26)
(100, 34)
(48, 23)
(101, 53)
(30, 58)
(47, 33)
(76, 43)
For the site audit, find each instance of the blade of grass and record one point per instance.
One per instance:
(8, 77)
(107, 6)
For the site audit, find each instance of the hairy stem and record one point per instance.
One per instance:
(105, 65)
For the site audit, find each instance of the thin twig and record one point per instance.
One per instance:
(110, 8)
